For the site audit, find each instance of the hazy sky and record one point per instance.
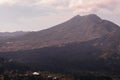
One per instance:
(28, 15)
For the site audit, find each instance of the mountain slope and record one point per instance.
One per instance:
(71, 58)
(77, 29)
(83, 43)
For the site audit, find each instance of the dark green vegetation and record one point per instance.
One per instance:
(44, 75)
(32, 77)
(9, 64)
(10, 70)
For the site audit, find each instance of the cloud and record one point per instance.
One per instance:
(75, 6)
(86, 6)
(8, 2)
(82, 6)
(117, 9)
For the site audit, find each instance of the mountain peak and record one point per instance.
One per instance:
(77, 17)
(89, 15)
(93, 17)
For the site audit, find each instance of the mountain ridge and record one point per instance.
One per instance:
(77, 29)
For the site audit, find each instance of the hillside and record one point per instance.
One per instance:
(83, 43)
(77, 29)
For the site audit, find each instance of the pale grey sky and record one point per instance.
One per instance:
(34, 15)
